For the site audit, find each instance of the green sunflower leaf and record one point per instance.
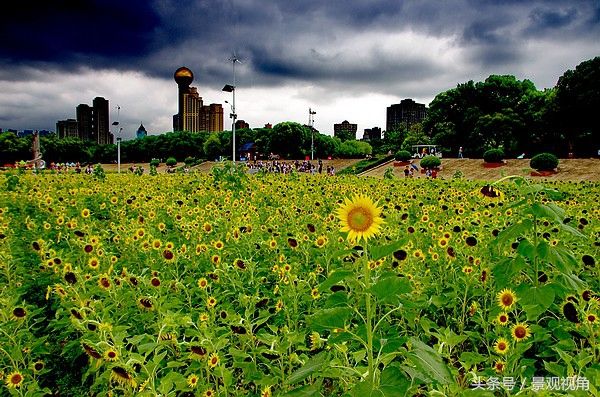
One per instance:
(378, 252)
(334, 317)
(312, 365)
(428, 362)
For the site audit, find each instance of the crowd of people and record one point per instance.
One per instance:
(66, 167)
(412, 169)
(287, 167)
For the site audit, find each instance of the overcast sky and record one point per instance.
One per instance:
(346, 59)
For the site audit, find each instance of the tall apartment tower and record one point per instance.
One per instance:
(100, 121)
(84, 122)
(215, 120)
(193, 115)
(407, 113)
(345, 130)
(93, 122)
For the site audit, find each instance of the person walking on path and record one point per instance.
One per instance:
(460, 152)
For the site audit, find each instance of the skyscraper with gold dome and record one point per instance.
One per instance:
(193, 115)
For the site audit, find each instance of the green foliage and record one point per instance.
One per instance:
(544, 162)
(12, 182)
(213, 147)
(389, 173)
(99, 172)
(290, 140)
(497, 111)
(154, 162)
(392, 140)
(577, 101)
(189, 161)
(415, 136)
(365, 165)
(402, 155)
(231, 176)
(153, 170)
(493, 155)
(171, 161)
(139, 171)
(430, 162)
(13, 149)
(354, 149)
(406, 314)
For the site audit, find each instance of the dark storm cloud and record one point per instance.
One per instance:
(72, 32)
(57, 53)
(156, 37)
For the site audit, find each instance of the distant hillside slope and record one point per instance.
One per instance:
(569, 170)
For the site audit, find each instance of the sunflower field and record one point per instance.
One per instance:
(267, 285)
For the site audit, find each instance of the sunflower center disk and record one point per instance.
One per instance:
(359, 219)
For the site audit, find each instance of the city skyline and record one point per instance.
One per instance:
(344, 59)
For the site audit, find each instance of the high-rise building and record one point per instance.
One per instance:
(345, 130)
(215, 120)
(92, 122)
(193, 115)
(67, 128)
(100, 121)
(84, 122)
(407, 113)
(372, 134)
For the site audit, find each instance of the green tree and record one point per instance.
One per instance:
(290, 140)
(354, 149)
(415, 136)
(498, 111)
(392, 140)
(13, 148)
(578, 100)
(64, 149)
(213, 147)
(326, 145)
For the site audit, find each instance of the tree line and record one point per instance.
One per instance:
(500, 112)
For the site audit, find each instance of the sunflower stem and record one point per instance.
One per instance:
(369, 318)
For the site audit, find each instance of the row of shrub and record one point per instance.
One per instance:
(540, 162)
(365, 165)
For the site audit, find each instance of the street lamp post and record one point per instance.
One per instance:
(119, 151)
(311, 121)
(232, 115)
(116, 123)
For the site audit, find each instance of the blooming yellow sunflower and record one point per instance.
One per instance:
(209, 393)
(213, 360)
(501, 346)
(14, 379)
(499, 366)
(360, 217)
(591, 318)
(502, 319)
(111, 355)
(520, 332)
(506, 298)
(192, 380)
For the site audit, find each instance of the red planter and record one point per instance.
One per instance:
(493, 165)
(543, 173)
(401, 163)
